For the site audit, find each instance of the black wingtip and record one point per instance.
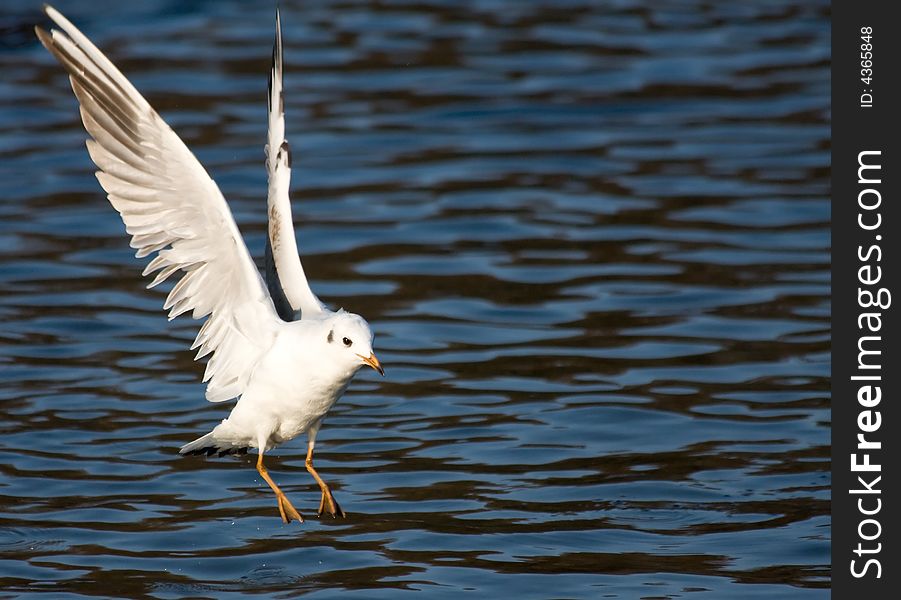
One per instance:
(277, 50)
(211, 450)
(286, 150)
(277, 60)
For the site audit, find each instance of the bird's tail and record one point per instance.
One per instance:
(210, 444)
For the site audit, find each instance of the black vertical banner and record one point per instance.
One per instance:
(866, 370)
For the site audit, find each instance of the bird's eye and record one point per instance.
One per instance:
(347, 342)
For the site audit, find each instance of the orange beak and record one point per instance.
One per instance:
(373, 362)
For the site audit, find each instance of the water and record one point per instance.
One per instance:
(592, 240)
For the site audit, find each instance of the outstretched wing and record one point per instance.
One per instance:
(284, 274)
(170, 206)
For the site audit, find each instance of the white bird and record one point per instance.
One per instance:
(284, 355)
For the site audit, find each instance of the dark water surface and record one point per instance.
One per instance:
(592, 240)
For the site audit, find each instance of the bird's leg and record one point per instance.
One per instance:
(285, 508)
(327, 502)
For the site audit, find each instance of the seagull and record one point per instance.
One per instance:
(272, 344)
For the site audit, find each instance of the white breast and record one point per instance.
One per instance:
(292, 387)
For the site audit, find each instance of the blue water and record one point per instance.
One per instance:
(592, 241)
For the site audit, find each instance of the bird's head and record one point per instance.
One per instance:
(350, 340)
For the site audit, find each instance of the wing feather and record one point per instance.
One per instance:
(284, 272)
(170, 206)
